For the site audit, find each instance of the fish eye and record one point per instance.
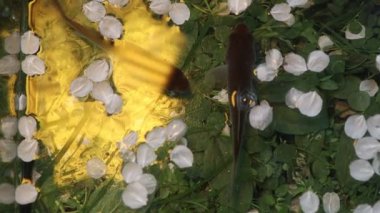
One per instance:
(247, 100)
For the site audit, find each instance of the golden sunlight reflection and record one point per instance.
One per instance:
(75, 131)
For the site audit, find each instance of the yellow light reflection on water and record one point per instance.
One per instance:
(65, 122)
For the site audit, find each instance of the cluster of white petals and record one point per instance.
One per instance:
(281, 12)
(296, 64)
(260, 116)
(309, 202)
(179, 13)
(12, 43)
(309, 103)
(96, 168)
(353, 36)
(25, 194)
(268, 70)
(369, 86)
(95, 82)
(222, 96)
(331, 202)
(9, 65)
(7, 193)
(238, 6)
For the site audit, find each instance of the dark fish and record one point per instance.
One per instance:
(241, 92)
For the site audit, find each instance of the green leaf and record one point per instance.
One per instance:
(320, 169)
(285, 153)
(359, 100)
(336, 65)
(345, 153)
(347, 86)
(291, 121)
(328, 85)
(222, 33)
(355, 27)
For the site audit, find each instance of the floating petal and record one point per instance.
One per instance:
(110, 27)
(265, 73)
(366, 148)
(9, 65)
(27, 126)
(324, 42)
(7, 193)
(238, 6)
(156, 137)
(292, 97)
(182, 156)
(30, 43)
(318, 61)
(9, 126)
(222, 96)
(96, 168)
(8, 150)
(118, 3)
(81, 87)
(25, 194)
(145, 155)
(260, 116)
(373, 124)
(135, 195)
(115, 104)
(94, 11)
(297, 3)
(353, 36)
(369, 86)
(160, 7)
(310, 104)
(355, 126)
(281, 12)
(294, 64)
(27, 150)
(149, 182)
(33, 65)
(361, 170)
(12, 43)
(98, 70)
(179, 13)
(309, 202)
(175, 130)
(102, 91)
(363, 208)
(331, 202)
(131, 172)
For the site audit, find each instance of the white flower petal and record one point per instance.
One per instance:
(94, 11)
(8, 150)
(27, 150)
(27, 126)
(102, 91)
(21, 102)
(373, 124)
(81, 87)
(135, 195)
(294, 64)
(33, 65)
(127, 142)
(7, 193)
(238, 6)
(363, 208)
(129, 156)
(331, 202)
(182, 156)
(9, 65)
(361, 170)
(324, 42)
(222, 96)
(366, 148)
(98, 70)
(118, 3)
(12, 43)
(377, 62)
(297, 3)
(25, 194)
(96, 168)
(310, 104)
(369, 86)
(115, 104)
(376, 163)
(145, 155)
(355, 126)
(281, 12)
(131, 172)
(30, 43)
(292, 96)
(376, 207)
(265, 73)
(156, 137)
(110, 27)
(160, 7)
(149, 182)
(260, 116)
(317, 61)
(9, 126)
(175, 130)
(179, 13)
(353, 36)
(290, 20)
(309, 202)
